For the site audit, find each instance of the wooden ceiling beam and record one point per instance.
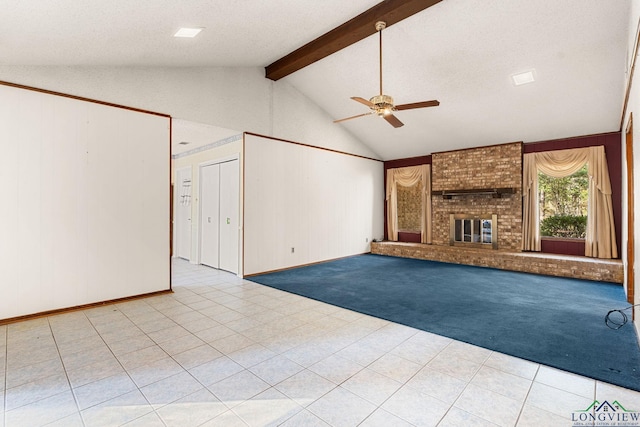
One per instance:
(352, 31)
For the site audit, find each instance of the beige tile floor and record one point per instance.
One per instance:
(222, 351)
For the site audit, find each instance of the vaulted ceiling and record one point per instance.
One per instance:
(460, 52)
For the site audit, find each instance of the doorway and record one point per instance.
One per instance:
(219, 215)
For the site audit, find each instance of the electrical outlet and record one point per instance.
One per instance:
(366, 240)
(293, 250)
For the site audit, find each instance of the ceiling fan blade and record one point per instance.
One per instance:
(423, 104)
(393, 120)
(363, 101)
(352, 117)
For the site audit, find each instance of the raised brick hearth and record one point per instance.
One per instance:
(549, 264)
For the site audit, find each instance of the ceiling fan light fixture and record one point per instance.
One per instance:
(382, 100)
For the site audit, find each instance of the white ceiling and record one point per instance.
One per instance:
(461, 52)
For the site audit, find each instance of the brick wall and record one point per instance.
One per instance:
(496, 166)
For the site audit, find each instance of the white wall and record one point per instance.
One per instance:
(633, 107)
(84, 202)
(233, 98)
(230, 150)
(324, 204)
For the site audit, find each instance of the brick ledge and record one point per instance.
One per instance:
(603, 270)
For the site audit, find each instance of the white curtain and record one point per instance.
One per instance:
(600, 239)
(408, 177)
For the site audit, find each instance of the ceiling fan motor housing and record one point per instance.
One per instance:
(382, 104)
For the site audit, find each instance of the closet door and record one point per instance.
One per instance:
(209, 215)
(229, 215)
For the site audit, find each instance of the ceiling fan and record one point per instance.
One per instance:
(382, 105)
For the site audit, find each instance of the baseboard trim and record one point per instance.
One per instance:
(302, 265)
(80, 307)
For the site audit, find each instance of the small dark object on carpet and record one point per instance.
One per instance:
(616, 319)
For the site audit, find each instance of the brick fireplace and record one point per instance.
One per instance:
(478, 182)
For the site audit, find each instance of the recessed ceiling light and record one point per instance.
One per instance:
(523, 78)
(187, 32)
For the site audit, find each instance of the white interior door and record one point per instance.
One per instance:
(229, 215)
(209, 215)
(182, 213)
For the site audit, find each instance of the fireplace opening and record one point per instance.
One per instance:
(473, 230)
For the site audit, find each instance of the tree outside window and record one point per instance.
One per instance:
(563, 204)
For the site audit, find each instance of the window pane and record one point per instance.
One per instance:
(410, 208)
(486, 231)
(476, 231)
(467, 230)
(563, 204)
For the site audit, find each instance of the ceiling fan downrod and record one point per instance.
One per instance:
(380, 25)
(383, 104)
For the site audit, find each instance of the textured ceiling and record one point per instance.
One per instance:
(134, 32)
(461, 52)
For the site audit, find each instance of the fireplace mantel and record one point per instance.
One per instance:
(494, 192)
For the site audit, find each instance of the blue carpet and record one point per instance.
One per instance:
(555, 321)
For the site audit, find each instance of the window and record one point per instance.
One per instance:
(563, 204)
(410, 208)
(600, 236)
